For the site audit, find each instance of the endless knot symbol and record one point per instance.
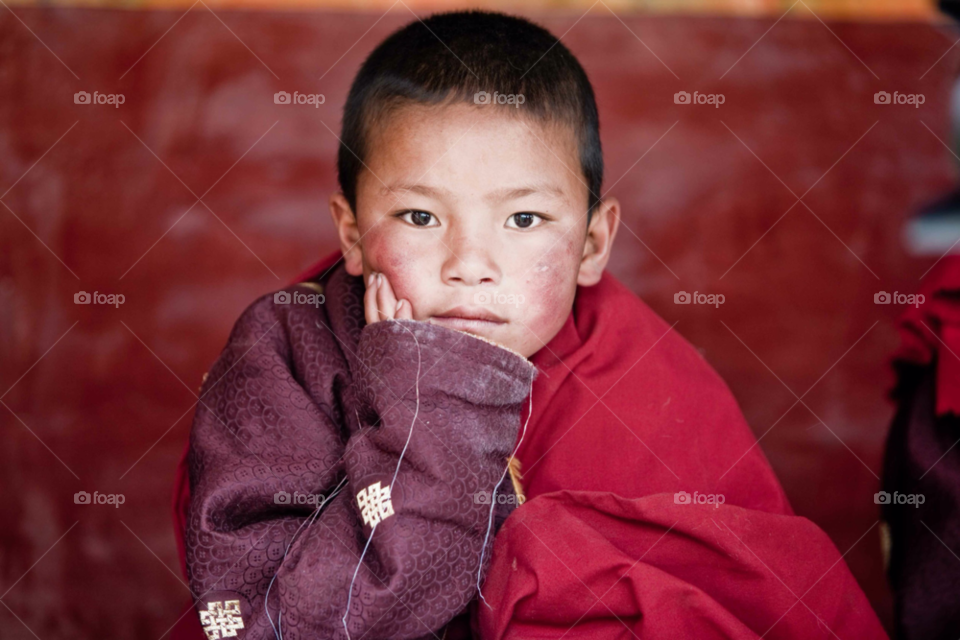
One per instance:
(374, 503)
(221, 619)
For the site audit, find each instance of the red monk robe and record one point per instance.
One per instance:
(626, 414)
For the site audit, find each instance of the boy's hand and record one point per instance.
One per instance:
(379, 302)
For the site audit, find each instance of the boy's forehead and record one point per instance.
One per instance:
(494, 196)
(433, 150)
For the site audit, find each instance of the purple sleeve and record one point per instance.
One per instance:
(266, 434)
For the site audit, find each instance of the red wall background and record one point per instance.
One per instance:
(96, 198)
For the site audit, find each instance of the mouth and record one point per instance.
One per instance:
(468, 319)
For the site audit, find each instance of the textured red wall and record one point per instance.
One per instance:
(104, 199)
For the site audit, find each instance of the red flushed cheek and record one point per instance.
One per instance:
(552, 286)
(551, 297)
(400, 271)
(384, 254)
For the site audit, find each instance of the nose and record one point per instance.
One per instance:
(470, 260)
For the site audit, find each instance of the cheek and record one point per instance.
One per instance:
(397, 261)
(551, 284)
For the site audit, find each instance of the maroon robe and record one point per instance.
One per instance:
(305, 396)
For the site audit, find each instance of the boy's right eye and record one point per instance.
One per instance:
(419, 218)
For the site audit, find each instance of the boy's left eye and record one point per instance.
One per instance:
(524, 220)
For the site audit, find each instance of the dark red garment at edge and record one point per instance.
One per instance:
(633, 442)
(930, 332)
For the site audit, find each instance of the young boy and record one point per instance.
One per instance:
(349, 458)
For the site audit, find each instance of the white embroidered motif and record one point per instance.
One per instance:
(374, 503)
(221, 619)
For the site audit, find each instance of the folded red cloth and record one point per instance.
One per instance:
(651, 512)
(931, 330)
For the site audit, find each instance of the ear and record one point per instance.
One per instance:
(600, 234)
(346, 223)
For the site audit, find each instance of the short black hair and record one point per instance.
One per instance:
(451, 57)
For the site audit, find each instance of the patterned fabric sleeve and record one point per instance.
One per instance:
(282, 511)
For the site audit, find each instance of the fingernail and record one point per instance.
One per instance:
(370, 278)
(379, 280)
(399, 304)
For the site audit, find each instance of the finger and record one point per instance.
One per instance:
(404, 310)
(386, 301)
(370, 300)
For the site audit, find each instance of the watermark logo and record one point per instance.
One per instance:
(916, 99)
(884, 297)
(312, 499)
(115, 499)
(282, 97)
(485, 497)
(495, 297)
(716, 499)
(915, 499)
(298, 297)
(683, 97)
(82, 97)
(82, 297)
(482, 97)
(682, 297)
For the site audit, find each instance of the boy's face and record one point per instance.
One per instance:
(477, 219)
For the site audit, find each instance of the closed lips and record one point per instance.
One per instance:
(470, 314)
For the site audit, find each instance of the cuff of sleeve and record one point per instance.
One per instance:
(453, 362)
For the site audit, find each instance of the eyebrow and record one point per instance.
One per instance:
(496, 196)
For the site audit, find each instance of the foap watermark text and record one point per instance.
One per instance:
(312, 499)
(115, 99)
(684, 97)
(716, 499)
(495, 297)
(683, 297)
(912, 499)
(485, 497)
(482, 97)
(298, 297)
(82, 297)
(884, 297)
(115, 499)
(314, 99)
(914, 99)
